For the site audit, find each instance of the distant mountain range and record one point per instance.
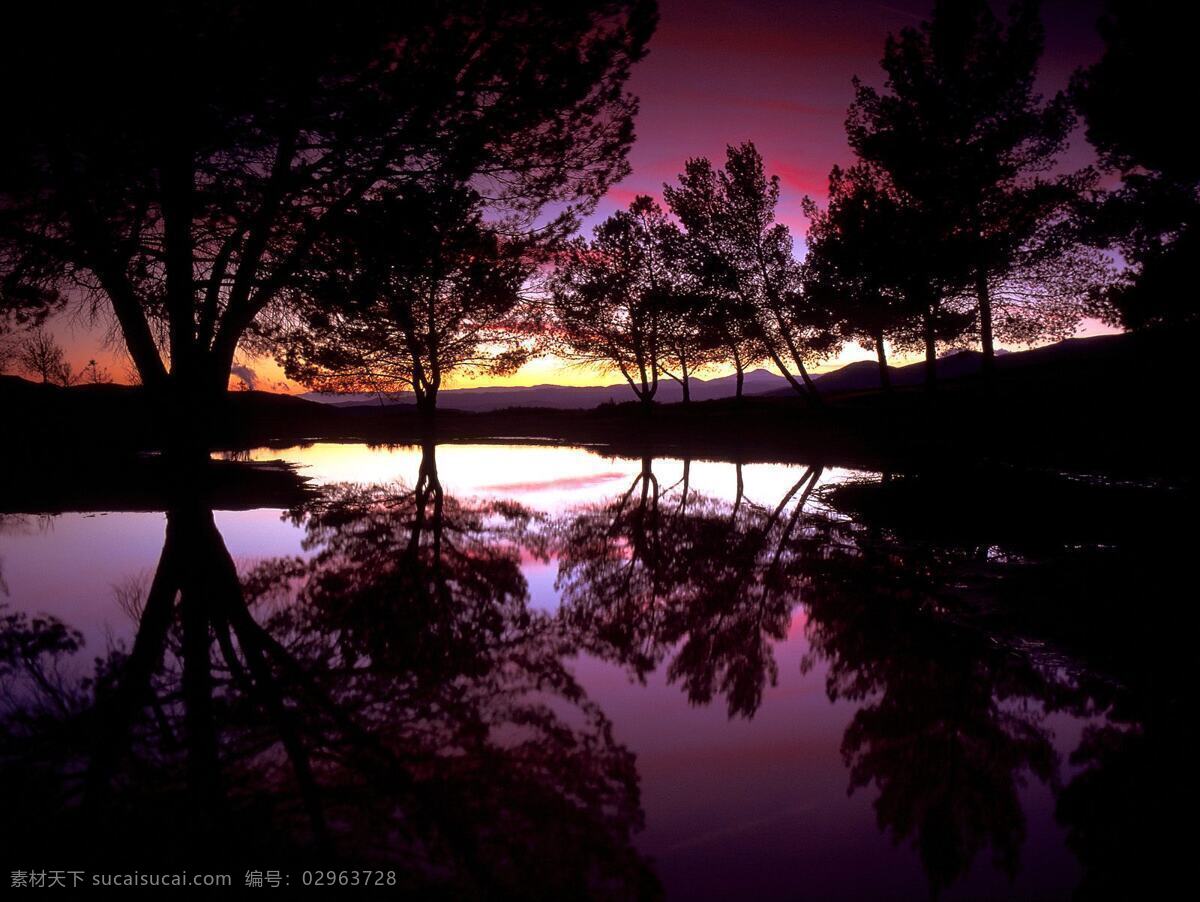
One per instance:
(122, 409)
(563, 397)
(862, 375)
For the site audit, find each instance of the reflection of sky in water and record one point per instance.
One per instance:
(730, 803)
(546, 478)
(68, 565)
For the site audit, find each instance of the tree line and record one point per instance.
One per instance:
(381, 197)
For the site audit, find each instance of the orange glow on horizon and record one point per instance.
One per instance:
(83, 345)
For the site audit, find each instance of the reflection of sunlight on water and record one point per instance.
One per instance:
(67, 564)
(549, 479)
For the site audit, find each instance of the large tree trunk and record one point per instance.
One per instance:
(804, 389)
(649, 388)
(809, 391)
(930, 349)
(808, 380)
(189, 408)
(985, 324)
(741, 371)
(426, 398)
(885, 378)
(687, 389)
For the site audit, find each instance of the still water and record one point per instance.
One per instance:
(543, 671)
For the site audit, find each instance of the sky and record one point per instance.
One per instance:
(721, 72)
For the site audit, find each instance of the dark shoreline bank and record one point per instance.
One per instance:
(1116, 406)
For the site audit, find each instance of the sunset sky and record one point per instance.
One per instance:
(721, 72)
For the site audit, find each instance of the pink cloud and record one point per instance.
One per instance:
(549, 485)
(623, 196)
(803, 179)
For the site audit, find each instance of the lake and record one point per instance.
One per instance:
(539, 670)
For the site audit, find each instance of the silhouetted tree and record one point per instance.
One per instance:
(876, 263)
(1055, 281)
(41, 356)
(720, 322)
(1130, 104)
(410, 290)
(95, 374)
(960, 129)
(179, 162)
(689, 341)
(857, 258)
(730, 330)
(612, 298)
(745, 256)
(718, 327)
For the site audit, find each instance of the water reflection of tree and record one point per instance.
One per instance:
(945, 630)
(949, 722)
(664, 571)
(415, 576)
(1126, 810)
(390, 699)
(951, 705)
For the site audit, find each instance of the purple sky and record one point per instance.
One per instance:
(726, 71)
(779, 73)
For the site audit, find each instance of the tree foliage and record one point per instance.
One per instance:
(961, 129)
(1129, 104)
(743, 256)
(39, 355)
(410, 290)
(178, 163)
(857, 263)
(613, 298)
